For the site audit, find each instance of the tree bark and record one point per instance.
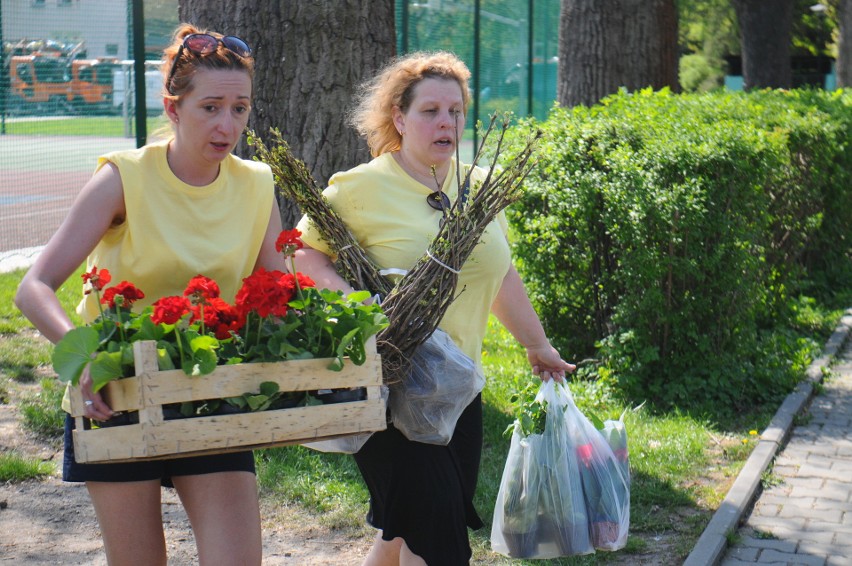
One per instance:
(844, 44)
(309, 58)
(765, 42)
(604, 46)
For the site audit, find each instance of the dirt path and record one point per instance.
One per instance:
(49, 522)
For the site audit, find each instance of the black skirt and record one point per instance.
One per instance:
(423, 493)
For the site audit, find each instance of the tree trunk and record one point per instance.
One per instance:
(604, 46)
(309, 59)
(765, 42)
(844, 44)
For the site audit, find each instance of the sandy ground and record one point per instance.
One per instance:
(49, 522)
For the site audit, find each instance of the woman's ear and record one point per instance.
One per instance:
(398, 120)
(170, 106)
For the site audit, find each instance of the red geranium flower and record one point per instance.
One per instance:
(220, 317)
(288, 242)
(305, 281)
(98, 279)
(169, 310)
(288, 281)
(263, 293)
(201, 289)
(127, 291)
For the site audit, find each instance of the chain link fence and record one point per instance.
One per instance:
(68, 94)
(510, 47)
(68, 85)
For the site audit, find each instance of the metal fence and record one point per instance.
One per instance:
(68, 93)
(510, 47)
(71, 84)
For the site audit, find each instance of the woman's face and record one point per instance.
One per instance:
(432, 122)
(210, 119)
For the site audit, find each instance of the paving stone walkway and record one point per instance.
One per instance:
(805, 515)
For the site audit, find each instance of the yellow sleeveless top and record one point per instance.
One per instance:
(174, 231)
(387, 213)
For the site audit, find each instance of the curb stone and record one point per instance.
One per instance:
(713, 542)
(17, 259)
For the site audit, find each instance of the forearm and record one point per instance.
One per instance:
(38, 302)
(513, 309)
(319, 267)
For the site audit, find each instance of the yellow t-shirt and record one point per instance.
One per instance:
(387, 213)
(174, 231)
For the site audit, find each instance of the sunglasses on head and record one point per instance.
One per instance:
(200, 44)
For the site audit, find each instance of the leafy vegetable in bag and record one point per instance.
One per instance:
(540, 510)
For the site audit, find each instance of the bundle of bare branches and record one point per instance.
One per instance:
(295, 182)
(419, 300)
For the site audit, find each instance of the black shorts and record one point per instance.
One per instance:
(423, 493)
(162, 470)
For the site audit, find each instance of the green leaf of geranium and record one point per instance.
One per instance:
(300, 356)
(73, 352)
(150, 331)
(164, 360)
(127, 357)
(358, 296)
(203, 342)
(105, 368)
(358, 357)
(201, 363)
(269, 388)
(257, 402)
(238, 402)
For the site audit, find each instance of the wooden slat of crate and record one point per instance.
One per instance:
(228, 433)
(155, 438)
(154, 387)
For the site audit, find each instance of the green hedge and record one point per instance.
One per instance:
(661, 233)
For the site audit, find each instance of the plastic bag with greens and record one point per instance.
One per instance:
(540, 510)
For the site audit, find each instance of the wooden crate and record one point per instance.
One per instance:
(154, 438)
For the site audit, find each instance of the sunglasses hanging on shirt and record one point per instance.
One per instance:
(440, 201)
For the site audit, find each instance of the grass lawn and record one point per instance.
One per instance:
(101, 126)
(14, 467)
(681, 464)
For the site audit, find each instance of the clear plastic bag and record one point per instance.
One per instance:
(442, 382)
(604, 470)
(540, 510)
(349, 444)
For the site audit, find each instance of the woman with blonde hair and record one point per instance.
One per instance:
(411, 114)
(158, 216)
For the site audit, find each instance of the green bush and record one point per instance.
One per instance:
(664, 234)
(698, 72)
